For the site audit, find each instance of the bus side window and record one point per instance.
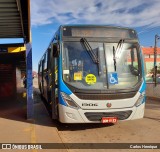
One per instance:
(66, 63)
(56, 70)
(48, 58)
(134, 58)
(134, 62)
(45, 62)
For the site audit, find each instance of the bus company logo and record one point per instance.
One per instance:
(109, 105)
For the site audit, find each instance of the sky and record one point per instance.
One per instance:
(48, 15)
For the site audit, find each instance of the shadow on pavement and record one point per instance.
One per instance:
(157, 119)
(13, 108)
(43, 117)
(74, 127)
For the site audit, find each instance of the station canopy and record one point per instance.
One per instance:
(15, 19)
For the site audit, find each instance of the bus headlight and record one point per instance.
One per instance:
(69, 101)
(140, 99)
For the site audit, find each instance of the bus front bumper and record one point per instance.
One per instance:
(71, 115)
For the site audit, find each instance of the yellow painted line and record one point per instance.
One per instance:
(33, 135)
(32, 131)
(16, 49)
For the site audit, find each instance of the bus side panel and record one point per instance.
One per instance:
(139, 112)
(40, 76)
(39, 80)
(45, 77)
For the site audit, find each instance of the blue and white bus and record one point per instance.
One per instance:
(93, 74)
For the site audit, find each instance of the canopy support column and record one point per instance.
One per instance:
(30, 104)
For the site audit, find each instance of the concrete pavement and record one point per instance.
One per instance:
(14, 128)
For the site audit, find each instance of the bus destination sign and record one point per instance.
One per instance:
(108, 32)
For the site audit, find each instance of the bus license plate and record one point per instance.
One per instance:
(109, 119)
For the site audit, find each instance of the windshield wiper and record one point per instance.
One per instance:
(114, 58)
(116, 52)
(119, 46)
(90, 51)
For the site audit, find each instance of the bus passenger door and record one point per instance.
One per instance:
(53, 85)
(54, 95)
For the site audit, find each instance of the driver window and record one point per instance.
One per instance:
(135, 61)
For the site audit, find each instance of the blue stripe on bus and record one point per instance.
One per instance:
(62, 86)
(61, 101)
(143, 87)
(65, 89)
(144, 99)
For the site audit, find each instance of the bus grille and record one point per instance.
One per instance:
(97, 116)
(105, 96)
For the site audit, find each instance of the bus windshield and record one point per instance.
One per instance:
(118, 65)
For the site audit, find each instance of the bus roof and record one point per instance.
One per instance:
(94, 25)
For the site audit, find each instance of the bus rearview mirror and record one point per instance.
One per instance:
(132, 56)
(55, 49)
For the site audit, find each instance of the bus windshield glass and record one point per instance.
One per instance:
(118, 65)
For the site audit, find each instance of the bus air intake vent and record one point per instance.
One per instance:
(97, 116)
(105, 96)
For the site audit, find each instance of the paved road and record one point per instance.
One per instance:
(14, 128)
